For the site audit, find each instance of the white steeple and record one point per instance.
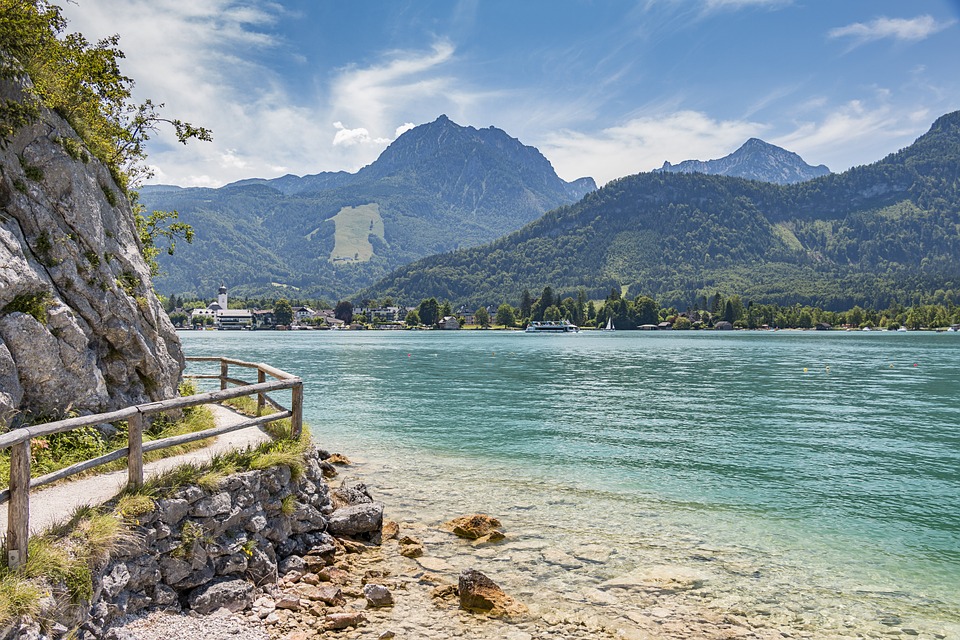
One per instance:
(222, 297)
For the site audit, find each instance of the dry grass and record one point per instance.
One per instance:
(65, 556)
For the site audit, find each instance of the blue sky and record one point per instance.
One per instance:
(604, 88)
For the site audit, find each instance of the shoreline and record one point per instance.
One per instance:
(599, 588)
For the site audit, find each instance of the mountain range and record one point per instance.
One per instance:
(438, 187)
(755, 160)
(873, 235)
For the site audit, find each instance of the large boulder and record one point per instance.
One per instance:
(355, 520)
(80, 326)
(479, 593)
(235, 595)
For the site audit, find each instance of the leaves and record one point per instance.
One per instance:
(81, 81)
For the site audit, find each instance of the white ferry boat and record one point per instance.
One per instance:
(552, 326)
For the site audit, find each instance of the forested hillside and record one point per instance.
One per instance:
(875, 234)
(438, 187)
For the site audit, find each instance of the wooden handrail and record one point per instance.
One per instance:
(18, 440)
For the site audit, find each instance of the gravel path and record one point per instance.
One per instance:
(56, 504)
(160, 625)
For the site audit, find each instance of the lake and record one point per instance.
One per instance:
(808, 478)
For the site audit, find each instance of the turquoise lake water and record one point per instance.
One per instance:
(817, 469)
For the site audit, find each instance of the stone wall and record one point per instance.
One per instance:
(204, 549)
(80, 326)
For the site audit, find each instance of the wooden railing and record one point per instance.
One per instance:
(18, 440)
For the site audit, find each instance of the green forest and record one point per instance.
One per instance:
(876, 236)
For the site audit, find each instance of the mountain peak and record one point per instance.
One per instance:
(754, 160)
(445, 157)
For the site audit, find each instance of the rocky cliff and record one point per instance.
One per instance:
(80, 326)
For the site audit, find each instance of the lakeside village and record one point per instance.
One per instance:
(551, 314)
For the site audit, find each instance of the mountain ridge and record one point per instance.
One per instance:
(754, 160)
(438, 187)
(871, 235)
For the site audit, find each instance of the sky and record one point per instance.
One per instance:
(604, 88)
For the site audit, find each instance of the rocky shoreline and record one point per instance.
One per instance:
(367, 578)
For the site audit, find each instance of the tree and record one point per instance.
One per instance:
(83, 82)
(344, 311)
(505, 315)
(647, 310)
(283, 312)
(153, 228)
(445, 310)
(429, 311)
(526, 304)
(413, 318)
(482, 316)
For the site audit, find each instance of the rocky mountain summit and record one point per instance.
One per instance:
(80, 326)
(755, 160)
(437, 187)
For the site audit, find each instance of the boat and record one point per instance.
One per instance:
(551, 326)
(609, 326)
(901, 329)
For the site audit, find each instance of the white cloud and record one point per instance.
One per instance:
(201, 60)
(402, 129)
(644, 143)
(902, 29)
(230, 159)
(351, 137)
(372, 95)
(715, 5)
(854, 133)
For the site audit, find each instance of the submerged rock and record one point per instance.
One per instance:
(377, 595)
(473, 526)
(479, 593)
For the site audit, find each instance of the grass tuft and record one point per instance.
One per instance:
(134, 505)
(288, 505)
(18, 597)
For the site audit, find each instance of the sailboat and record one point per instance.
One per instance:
(609, 326)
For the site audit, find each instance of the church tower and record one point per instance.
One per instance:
(222, 297)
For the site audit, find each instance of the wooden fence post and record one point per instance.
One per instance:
(135, 451)
(261, 377)
(18, 514)
(296, 408)
(224, 373)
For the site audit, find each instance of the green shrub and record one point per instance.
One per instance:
(109, 194)
(32, 172)
(43, 249)
(34, 303)
(74, 149)
(128, 281)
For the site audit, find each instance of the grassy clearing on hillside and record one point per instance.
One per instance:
(354, 226)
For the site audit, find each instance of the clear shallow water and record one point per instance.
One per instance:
(817, 470)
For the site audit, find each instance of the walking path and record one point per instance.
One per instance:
(55, 504)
